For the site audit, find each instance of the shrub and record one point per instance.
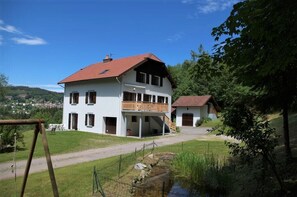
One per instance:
(7, 137)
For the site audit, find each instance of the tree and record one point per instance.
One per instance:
(260, 47)
(3, 84)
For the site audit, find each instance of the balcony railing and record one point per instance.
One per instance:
(144, 106)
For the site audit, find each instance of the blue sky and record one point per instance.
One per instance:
(44, 41)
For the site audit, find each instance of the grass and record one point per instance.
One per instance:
(278, 125)
(204, 172)
(76, 180)
(212, 123)
(65, 142)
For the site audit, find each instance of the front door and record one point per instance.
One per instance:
(72, 121)
(111, 125)
(187, 120)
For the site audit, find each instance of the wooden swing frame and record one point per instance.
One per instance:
(39, 128)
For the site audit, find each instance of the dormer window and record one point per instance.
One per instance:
(91, 97)
(156, 80)
(74, 98)
(142, 77)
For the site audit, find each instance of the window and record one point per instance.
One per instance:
(155, 80)
(139, 97)
(147, 98)
(166, 100)
(91, 97)
(90, 120)
(140, 77)
(154, 98)
(128, 96)
(146, 119)
(74, 97)
(104, 71)
(161, 99)
(134, 119)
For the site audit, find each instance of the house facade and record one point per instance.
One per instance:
(124, 97)
(190, 109)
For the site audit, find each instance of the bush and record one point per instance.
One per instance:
(7, 137)
(201, 121)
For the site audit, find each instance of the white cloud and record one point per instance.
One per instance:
(175, 37)
(9, 29)
(22, 37)
(209, 6)
(29, 40)
(187, 1)
(50, 87)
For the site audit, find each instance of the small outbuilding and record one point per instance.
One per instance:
(190, 109)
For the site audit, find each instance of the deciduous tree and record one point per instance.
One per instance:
(259, 44)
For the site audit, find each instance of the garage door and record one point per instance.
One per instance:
(187, 120)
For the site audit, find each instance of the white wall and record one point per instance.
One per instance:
(108, 103)
(196, 111)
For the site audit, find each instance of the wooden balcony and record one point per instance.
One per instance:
(144, 106)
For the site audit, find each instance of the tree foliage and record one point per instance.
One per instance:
(3, 84)
(200, 75)
(260, 47)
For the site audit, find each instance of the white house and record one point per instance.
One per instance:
(190, 109)
(125, 97)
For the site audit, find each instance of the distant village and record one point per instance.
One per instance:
(24, 105)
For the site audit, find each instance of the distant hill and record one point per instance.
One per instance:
(22, 93)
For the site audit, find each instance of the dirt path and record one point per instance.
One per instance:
(62, 160)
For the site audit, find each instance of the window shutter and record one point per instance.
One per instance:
(147, 78)
(94, 99)
(70, 99)
(161, 81)
(69, 121)
(137, 76)
(87, 95)
(86, 119)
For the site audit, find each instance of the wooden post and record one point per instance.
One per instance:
(163, 127)
(36, 131)
(140, 126)
(120, 165)
(39, 128)
(48, 160)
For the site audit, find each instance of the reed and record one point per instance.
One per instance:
(201, 172)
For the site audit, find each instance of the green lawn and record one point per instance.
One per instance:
(212, 123)
(67, 141)
(76, 180)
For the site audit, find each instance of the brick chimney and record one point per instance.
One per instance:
(107, 59)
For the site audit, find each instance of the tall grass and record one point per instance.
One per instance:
(203, 172)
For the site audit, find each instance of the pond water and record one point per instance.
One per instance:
(179, 191)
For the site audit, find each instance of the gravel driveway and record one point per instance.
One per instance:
(62, 160)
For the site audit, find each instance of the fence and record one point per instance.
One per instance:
(114, 179)
(118, 178)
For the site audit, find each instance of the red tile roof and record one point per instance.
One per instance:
(114, 68)
(191, 101)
